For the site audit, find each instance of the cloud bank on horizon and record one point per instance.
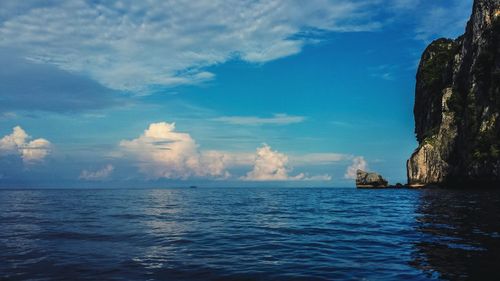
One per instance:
(162, 152)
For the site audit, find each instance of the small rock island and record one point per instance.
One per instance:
(370, 180)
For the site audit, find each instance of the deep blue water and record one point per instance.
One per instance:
(249, 234)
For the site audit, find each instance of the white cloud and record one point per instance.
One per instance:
(442, 19)
(277, 119)
(139, 45)
(35, 150)
(101, 174)
(18, 143)
(358, 163)
(318, 158)
(405, 4)
(8, 115)
(270, 165)
(385, 71)
(318, 178)
(164, 153)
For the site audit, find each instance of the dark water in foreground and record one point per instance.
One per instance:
(249, 234)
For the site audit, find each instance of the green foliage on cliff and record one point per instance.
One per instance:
(432, 69)
(495, 89)
(487, 147)
(486, 68)
(464, 106)
(495, 68)
(456, 105)
(430, 137)
(432, 140)
(434, 75)
(487, 71)
(470, 65)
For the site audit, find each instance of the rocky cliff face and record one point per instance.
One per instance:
(457, 105)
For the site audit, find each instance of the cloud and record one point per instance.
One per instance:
(405, 4)
(140, 45)
(164, 153)
(8, 115)
(318, 178)
(443, 19)
(26, 85)
(143, 46)
(277, 119)
(358, 163)
(101, 174)
(18, 143)
(384, 72)
(318, 158)
(270, 165)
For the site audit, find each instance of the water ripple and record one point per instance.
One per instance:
(249, 234)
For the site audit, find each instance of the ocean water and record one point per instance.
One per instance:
(249, 234)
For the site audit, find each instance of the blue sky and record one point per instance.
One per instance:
(221, 93)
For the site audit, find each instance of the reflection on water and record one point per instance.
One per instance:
(249, 234)
(460, 234)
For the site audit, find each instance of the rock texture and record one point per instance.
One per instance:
(369, 180)
(457, 106)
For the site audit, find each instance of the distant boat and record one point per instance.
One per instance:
(193, 186)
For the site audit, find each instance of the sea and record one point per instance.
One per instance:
(249, 234)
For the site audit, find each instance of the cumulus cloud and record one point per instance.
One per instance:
(139, 45)
(164, 153)
(101, 174)
(358, 163)
(270, 165)
(277, 119)
(19, 143)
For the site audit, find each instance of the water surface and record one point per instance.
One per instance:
(249, 234)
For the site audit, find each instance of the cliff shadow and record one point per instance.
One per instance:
(459, 234)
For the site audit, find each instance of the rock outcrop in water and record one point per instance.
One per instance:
(369, 180)
(457, 106)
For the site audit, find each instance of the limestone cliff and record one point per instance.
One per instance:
(457, 106)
